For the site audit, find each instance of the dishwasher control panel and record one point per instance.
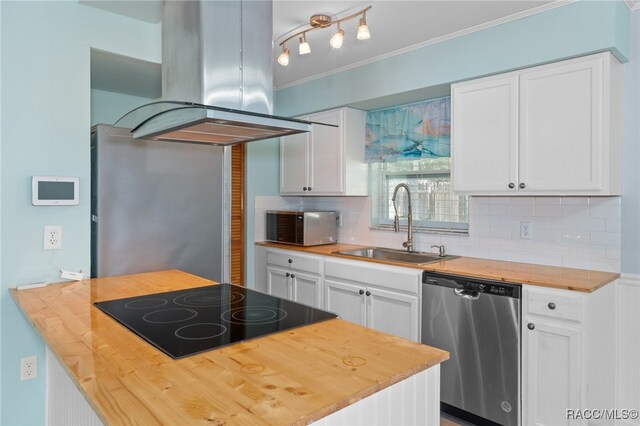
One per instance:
(472, 285)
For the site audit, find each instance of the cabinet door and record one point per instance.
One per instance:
(394, 313)
(294, 161)
(326, 165)
(279, 283)
(551, 359)
(561, 126)
(345, 300)
(307, 289)
(484, 135)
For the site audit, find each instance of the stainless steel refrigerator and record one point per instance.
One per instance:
(155, 205)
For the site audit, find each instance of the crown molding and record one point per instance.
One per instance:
(533, 11)
(632, 4)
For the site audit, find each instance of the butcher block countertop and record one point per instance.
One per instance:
(582, 280)
(291, 377)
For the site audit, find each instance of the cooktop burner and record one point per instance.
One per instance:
(186, 322)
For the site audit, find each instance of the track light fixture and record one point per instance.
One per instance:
(325, 21)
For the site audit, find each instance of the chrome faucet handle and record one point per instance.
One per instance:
(440, 248)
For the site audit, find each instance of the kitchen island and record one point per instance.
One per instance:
(297, 376)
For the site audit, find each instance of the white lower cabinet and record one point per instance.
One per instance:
(293, 276)
(346, 300)
(567, 356)
(295, 285)
(552, 373)
(278, 283)
(386, 298)
(307, 288)
(381, 309)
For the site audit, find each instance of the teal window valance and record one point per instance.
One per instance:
(409, 132)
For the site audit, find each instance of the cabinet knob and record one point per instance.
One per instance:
(304, 188)
(288, 275)
(290, 260)
(361, 292)
(512, 185)
(522, 185)
(531, 326)
(368, 293)
(309, 189)
(293, 275)
(552, 305)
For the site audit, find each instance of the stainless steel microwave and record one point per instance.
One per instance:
(302, 228)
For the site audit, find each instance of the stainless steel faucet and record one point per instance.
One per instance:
(396, 222)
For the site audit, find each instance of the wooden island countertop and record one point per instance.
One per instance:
(292, 377)
(582, 280)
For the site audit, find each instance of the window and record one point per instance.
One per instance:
(434, 207)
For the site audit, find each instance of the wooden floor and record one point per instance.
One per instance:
(447, 422)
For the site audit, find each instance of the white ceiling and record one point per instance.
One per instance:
(395, 25)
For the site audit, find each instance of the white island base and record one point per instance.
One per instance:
(413, 401)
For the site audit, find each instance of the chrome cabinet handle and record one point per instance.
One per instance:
(293, 276)
(361, 292)
(309, 189)
(368, 293)
(531, 326)
(466, 295)
(551, 305)
(304, 188)
(522, 185)
(290, 260)
(287, 275)
(512, 185)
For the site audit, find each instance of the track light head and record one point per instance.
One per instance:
(283, 59)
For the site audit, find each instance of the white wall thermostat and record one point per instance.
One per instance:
(54, 191)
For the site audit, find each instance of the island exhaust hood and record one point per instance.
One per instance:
(214, 53)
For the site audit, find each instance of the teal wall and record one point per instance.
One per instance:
(576, 29)
(45, 120)
(630, 214)
(1, 287)
(108, 107)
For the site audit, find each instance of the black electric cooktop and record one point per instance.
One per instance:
(186, 322)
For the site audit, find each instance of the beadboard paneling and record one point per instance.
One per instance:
(628, 346)
(65, 404)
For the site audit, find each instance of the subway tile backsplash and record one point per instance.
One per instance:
(574, 232)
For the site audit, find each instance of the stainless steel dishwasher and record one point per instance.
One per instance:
(478, 322)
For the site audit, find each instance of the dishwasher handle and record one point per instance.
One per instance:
(466, 294)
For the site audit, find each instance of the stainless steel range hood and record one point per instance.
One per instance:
(216, 77)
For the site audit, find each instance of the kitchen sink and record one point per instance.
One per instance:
(381, 253)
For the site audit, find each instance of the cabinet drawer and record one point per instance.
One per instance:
(291, 259)
(393, 277)
(554, 304)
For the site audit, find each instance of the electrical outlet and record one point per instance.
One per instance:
(28, 368)
(52, 237)
(526, 230)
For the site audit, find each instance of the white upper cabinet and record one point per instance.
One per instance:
(329, 160)
(294, 173)
(547, 130)
(485, 126)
